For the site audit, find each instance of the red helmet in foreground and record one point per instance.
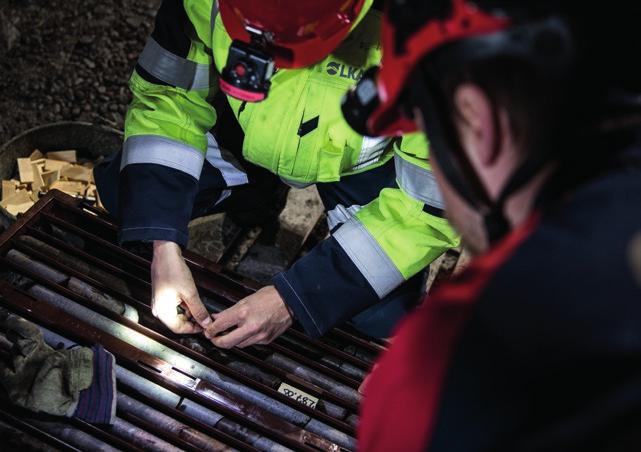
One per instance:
(372, 107)
(281, 33)
(425, 44)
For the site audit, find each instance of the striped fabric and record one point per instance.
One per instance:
(97, 403)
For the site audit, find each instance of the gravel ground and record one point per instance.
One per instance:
(68, 60)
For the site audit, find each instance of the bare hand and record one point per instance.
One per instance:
(172, 286)
(258, 319)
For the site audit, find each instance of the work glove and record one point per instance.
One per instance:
(40, 378)
(78, 382)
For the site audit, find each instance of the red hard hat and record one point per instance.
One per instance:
(297, 33)
(384, 86)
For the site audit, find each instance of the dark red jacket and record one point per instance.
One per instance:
(536, 346)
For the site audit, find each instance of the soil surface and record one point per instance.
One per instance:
(68, 60)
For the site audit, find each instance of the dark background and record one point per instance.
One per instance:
(68, 60)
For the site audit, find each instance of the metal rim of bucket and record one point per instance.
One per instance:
(52, 125)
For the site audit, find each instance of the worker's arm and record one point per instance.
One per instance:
(374, 250)
(166, 125)
(164, 151)
(367, 256)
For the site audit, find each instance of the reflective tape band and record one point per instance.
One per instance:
(341, 214)
(222, 160)
(368, 256)
(295, 184)
(162, 151)
(418, 182)
(172, 69)
(371, 151)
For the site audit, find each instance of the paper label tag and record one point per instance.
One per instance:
(298, 395)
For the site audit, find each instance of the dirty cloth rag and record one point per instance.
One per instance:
(78, 382)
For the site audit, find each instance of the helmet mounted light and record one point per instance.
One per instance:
(248, 71)
(284, 34)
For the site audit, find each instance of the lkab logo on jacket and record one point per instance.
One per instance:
(344, 71)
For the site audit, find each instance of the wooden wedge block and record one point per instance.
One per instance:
(77, 172)
(64, 156)
(25, 171)
(15, 209)
(49, 177)
(36, 155)
(72, 188)
(17, 203)
(53, 165)
(9, 188)
(9, 199)
(38, 183)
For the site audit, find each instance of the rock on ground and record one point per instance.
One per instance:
(68, 60)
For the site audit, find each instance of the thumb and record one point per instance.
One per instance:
(197, 310)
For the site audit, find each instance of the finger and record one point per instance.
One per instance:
(253, 340)
(259, 337)
(224, 320)
(232, 338)
(186, 326)
(179, 324)
(197, 310)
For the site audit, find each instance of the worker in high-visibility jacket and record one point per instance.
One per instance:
(284, 66)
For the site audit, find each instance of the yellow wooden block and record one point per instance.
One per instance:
(24, 170)
(64, 156)
(69, 187)
(18, 202)
(38, 183)
(15, 209)
(9, 188)
(49, 177)
(77, 172)
(36, 155)
(53, 165)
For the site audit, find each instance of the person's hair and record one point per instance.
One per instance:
(512, 86)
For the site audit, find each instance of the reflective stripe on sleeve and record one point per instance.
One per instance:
(371, 151)
(228, 166)
(162, 151)
(368, 256)
(173, 69)
(418, 182)
(341, 214)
